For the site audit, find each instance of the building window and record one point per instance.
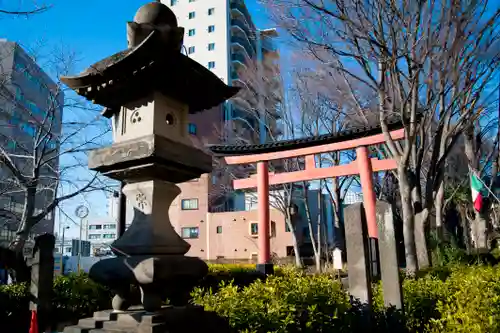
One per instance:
(68, 249)
(189, 204)
(219, 229)
(192, 129)
(173, 2)
(211, 11)
(109, 226)
(191, 32)
(211, 46)
(211, 28)
(192, 15)
(191, 49)
(254, 229)
(191, 0)
(109, 236)
(94, 236)
(211, 64)
(190, 233)
(95, 227)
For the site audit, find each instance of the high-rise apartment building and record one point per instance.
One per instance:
(221, 35)
(29, 101)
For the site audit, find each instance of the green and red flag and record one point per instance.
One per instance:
(477, 187)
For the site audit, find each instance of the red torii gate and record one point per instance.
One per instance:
(363, 165)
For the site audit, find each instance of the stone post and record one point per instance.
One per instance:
(358, 264)
(42, 279)
(391, 282)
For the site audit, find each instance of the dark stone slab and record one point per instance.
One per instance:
(357, 253)
(266, 269)
(391, 281)
(374, 255)
(151, 157)
(42, 276)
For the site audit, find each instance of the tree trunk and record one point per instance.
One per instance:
(439, 206)
(311, 229)
(408, 220)
(319, 221)
(291, 225)
(26, 223)
(421, 225)
(421, 221)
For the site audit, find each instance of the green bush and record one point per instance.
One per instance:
(75, 296)
(289, 302)
(447, 299)
(470, 302)
(238, 274)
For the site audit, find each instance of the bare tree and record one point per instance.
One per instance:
(321, 113)
(431, 59)
(262, 112)
(22, 9)
(43, 152)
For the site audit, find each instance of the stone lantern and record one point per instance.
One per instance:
(148, 91)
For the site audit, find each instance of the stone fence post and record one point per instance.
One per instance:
(42, 277)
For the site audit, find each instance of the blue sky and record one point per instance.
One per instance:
(94, 29)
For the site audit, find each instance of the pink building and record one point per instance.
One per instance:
(222, 235)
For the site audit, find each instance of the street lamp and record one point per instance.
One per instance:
(62, 249)
(62, 241)
(81, 212)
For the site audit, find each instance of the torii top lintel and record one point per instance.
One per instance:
(350, 139)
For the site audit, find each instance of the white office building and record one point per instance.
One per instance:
(220, 35)
(101, 232)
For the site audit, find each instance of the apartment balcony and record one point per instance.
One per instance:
(243, 43)
(239, 59)
(238, 8)
(237, 81)
(238, 49)
(243, 25)
(242, 103)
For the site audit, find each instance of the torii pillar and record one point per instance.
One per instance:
(264, 260)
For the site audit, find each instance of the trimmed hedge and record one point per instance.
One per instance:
(448, 299)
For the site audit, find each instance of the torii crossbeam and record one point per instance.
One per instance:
(358, 139)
